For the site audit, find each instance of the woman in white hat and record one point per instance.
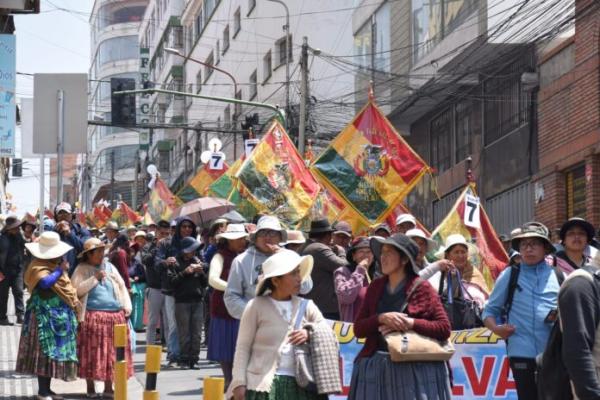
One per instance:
(48, 346)
(427, 245)
(105, 303)
(263, 368)
(223, 328)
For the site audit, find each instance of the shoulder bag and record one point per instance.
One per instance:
(410, 346)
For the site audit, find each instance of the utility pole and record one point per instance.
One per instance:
(60, 145)
(303, 95)
(112, 178)
(135, 180)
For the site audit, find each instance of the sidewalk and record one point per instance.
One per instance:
(172, 383)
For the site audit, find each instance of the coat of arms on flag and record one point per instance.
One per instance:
(369, 166)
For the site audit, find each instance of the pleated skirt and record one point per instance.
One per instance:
(285, 388)
(378, 378)
(222, 338)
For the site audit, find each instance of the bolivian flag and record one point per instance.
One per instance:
(492, 258)
(199, 184)
(228, 187)
(100, 215)
(125, 216)
(277, 179)
(162, 202)
(370, 166)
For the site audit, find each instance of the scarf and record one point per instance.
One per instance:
(472, 275)
(39, 269)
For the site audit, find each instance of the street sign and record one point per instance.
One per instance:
(144, 99)
(8, 109)
(46, 89)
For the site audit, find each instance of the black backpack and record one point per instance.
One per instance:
(552, 377)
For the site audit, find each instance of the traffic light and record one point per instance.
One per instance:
(122, 105)
(251, 122)
(17, 167)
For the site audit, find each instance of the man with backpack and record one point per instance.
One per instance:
(523, 305)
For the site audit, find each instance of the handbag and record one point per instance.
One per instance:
(463, 312)
(305, 377)
(410, 346)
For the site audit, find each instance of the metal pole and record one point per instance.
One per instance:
(42, 194)
(135, 180)
(60, 144)
(112, 178)
(303, 95)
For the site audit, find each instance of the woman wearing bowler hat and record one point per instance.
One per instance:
(375, 376)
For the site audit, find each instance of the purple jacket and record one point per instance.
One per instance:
(350, 288)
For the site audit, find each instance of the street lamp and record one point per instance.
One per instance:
(178, 53)
(286, 28)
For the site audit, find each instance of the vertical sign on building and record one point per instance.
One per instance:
(144, 100)
(8, 111)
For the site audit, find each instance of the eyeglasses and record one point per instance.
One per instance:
(531, 244)
(268, 233)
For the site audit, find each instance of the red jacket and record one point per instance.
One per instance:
(424, 306)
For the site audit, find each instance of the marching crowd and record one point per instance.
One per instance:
(257, 295)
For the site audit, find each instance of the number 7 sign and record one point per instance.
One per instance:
(216, 160)
(472, 210)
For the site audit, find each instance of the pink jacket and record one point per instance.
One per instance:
(350, 288)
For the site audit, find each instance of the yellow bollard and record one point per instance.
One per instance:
(214, 388)
(120, 378)
(152, 368)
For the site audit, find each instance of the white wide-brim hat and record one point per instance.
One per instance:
(271, 223)
(418, 233)
(233, 232)
(283, 262)
(48, 247)
(402, 218)
(454, 240)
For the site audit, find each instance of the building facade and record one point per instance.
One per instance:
(109, 166)
(245, 39)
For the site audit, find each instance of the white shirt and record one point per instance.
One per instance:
(287, 359)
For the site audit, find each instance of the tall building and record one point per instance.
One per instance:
(109, 166)
(237, 49)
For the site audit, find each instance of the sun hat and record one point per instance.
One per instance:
(131, 228)
(218, 221)
(580, 222)
(111, 226)
(90, 245)
(269, 222)
(233, 232)
(383, 227)
(401, 242)
(320, 226)
(63, 207)
(360, 242)
(11, 222)
(532, 229)
(402, 218)
(189, 244)
(295, 237)
(281, 263)
(418, 233)
(48, 247)
(343, 228)
(140, 234)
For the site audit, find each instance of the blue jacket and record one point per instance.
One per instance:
(536, 295)
(75, 239)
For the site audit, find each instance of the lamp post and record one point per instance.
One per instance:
(178, 53)
(286, 28)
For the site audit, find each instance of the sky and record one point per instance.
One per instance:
(52, 41)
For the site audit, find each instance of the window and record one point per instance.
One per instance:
(362, 46)
(506, 104)
(280, 45)
(176, 37)
(251, 5)
(267, 66)
(199, 24)
(441, 141)
(372, 41)
(237, 22)
(218, 52)
(199, 81)
(118, 13)
(253, 86)
(576, 192)
(117, 49)
(227, 117)
(225, 39)
(164, 160)
(432, 20)
(207, 69)
(462, 131)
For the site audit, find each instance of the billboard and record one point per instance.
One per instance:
(8, 111)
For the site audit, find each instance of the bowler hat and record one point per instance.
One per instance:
(320, 226)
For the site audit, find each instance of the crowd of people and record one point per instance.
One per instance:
(255, 294)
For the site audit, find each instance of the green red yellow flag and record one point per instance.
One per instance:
(100, 215)
(370, 166)
(199, 185)
(277, 179)
(228, 187)
(125, 216)
(491, 258)
(162, 202)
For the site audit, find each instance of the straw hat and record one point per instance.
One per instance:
(418, 233)
(295, 237)
(281, 263)
(48, 246)
(90, 245)
(402, 218)
(233, 232)
(454, 240)
(110, 225)
(140, 234)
